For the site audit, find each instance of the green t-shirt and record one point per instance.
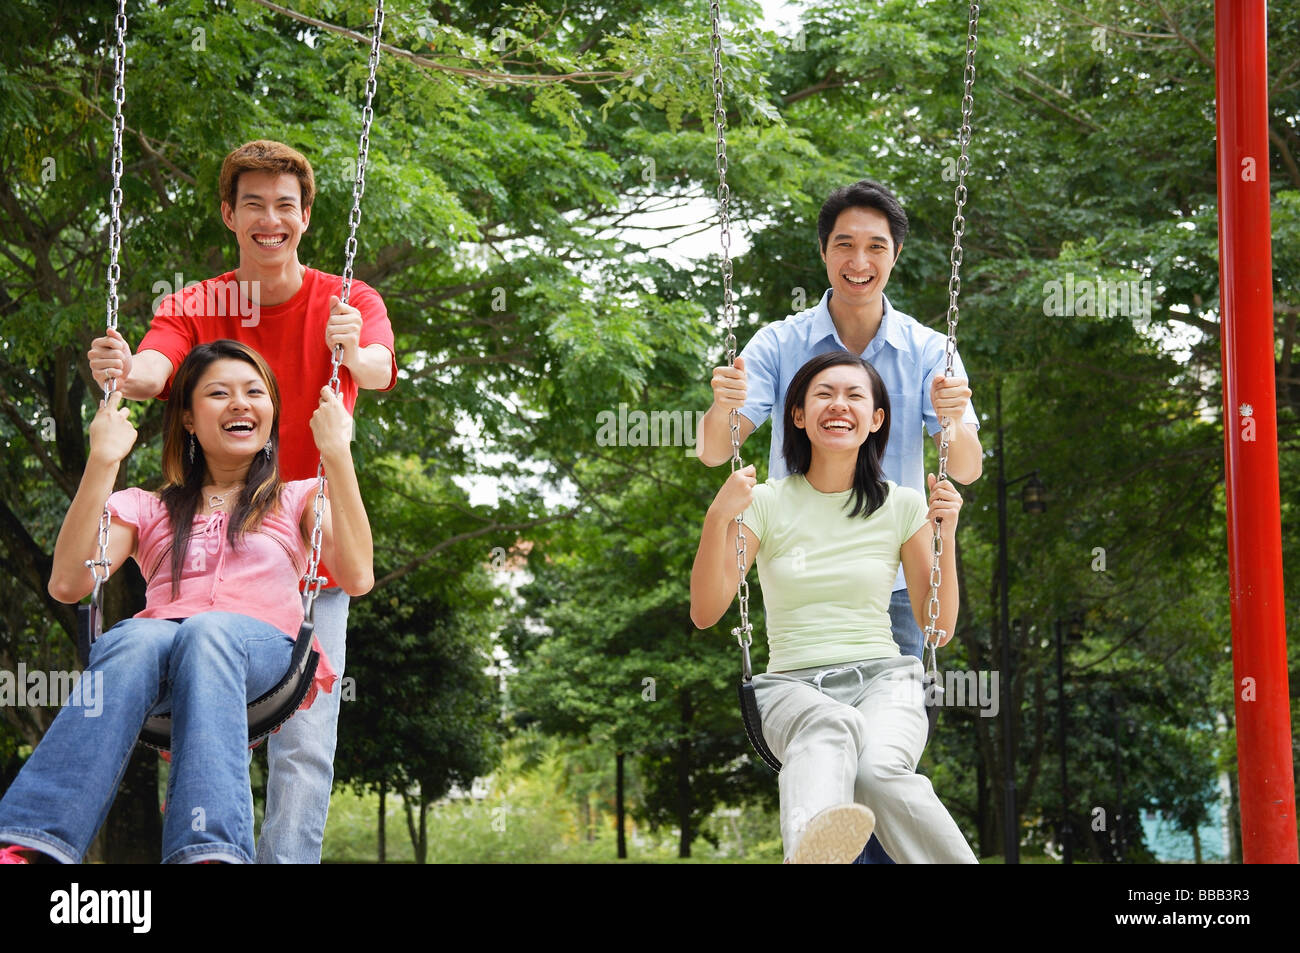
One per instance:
(826, 578)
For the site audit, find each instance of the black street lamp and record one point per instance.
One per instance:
(1033, 499)
(1072, 630)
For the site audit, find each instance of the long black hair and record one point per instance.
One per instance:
(869, 487)
(182, 492)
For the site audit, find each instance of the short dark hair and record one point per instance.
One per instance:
(869, 487)
(864, 194)
(266, 155)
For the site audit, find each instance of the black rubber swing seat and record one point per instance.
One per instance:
(266, 713)
(754, 724)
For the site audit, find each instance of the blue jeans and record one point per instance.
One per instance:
(300, 756)
(203, 670)
(911, 641)
(908, 635)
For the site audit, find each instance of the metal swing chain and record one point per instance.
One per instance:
(744, 632)
(932, 631)
(363, 152)
(314, 579)
(99, 566)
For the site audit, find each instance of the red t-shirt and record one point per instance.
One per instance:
(289, 336)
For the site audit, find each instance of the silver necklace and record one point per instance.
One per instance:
(215, 501)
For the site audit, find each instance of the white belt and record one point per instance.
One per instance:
(835, 671)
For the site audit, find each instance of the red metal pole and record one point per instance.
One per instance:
(1268, 805)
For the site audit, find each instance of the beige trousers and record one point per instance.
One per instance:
(854, 732)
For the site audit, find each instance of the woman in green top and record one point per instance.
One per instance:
(841, 707)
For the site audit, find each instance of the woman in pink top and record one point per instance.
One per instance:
(222, 547)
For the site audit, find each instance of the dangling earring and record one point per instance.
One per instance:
(267, 450)
(192, 443)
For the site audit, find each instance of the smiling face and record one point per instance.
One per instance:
(859, 255)
(267, 218)
(839, 412)
(231, 412)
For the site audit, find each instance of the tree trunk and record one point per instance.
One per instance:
(410, 824)
(996, 734)
(1025, 790)
(383, 807)
(983, 807)
(684, 778)
(1196, 844)
(422, 853)
(133, 832)
(1118, 821)
(618, 806)
(584, 816)
(1234, 805)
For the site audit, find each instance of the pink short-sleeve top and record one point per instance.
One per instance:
(256, 577)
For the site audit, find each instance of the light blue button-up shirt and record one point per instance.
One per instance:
(906, 353)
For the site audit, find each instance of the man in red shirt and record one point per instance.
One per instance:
(290, 314)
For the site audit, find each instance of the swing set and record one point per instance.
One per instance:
(744, 633)
(269, 711)
(1261, 696)
(1253, 500)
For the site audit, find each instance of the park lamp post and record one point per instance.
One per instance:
(1033, 499)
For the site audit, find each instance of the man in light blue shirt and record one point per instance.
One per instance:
(860, 230)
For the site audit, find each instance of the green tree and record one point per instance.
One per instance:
(515, 147)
